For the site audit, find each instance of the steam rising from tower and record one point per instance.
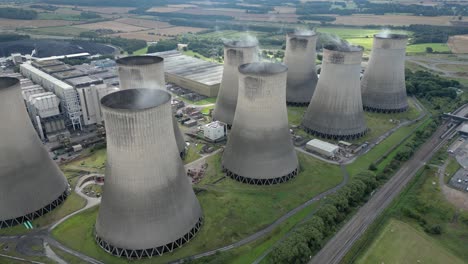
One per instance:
(259, 149)
(383, 84)
(147, 72)
(302, 75)
(148, 205)
(31, 184)
(235, 54)
(335, 110)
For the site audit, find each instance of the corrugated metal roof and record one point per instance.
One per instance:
(194, 69)
(322, 145)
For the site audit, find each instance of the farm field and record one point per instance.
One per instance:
(458, 44)
(453, 67)
(401, 243)
(146, 23)
(223, 204)
(55, 31)
(395, 20)
(112, 25)
(286, 17)
(421, 48)
(17, 23)
(158, 34)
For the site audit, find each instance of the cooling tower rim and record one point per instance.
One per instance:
(239, 44)
(344, 48)
(139, 60)
(390, 36)
(299, 34)
(125, 100)
(262, 68)
(8, 82)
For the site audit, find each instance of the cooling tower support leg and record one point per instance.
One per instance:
(150, 252)
(297, 104)
(335, 137)
(34, 215)
(385, 111)
(242, 179)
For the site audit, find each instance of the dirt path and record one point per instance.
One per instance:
(455, 197)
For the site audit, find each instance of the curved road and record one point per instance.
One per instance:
(336, 248)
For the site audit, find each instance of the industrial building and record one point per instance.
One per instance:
(335, 110)
(190, 73)
(215, 131)
(91, 106)
(148, 205)
(300, 58)
(323, 148)
(31, 184)
(383, 84)
(236, 53)
(259, 148)
(147, 72)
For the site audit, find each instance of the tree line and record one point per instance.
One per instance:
(129, 45)
(17, 13)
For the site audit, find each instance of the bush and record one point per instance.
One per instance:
(434, 229)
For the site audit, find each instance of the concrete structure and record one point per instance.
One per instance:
(323, 148)
(259, 148)
(147, 72)
(90, 98)
(236, 53)
(335, 110)
(190, 73)
(70, 103)
(45, 104)
(215, 131)
(31, 184)
(300, 58)
(148, 206)
(383, 84)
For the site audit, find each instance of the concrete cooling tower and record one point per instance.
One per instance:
(302, 75)
(383, 84)
(259, 149)
(335, 110)
(148, 205)
(31, 184)
(235, 54)
(147, 72)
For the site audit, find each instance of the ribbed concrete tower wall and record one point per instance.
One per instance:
(148, 206)
(300, 58)
(383, 84)
(259, 148)
(147, 72)
(31, 184)
(236, 53)
(335, 110)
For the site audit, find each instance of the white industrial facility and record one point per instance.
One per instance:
(323, 148)
(215, 131)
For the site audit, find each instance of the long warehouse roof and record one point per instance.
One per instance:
(198, 70)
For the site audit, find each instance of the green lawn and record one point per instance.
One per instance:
(58, 16)
(401, 243)
(142, 51)
(454, 67)
(421, 48)
(232, 210)
(193, 153)
(452, 167)
(70, 259)
(55, 31)
(95, 162)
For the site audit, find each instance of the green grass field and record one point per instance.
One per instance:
(232, 210)
(401, 243)
(95, 162)
(421, 48)
(55, 31)
(69, 259)
(58, 16)
(193, 153)
(142, 51)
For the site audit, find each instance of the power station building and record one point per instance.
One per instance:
(383, 84)
(31, 184)
(259, 149)
(336, 110)
(147, 72)
(148, 205)
(236, 53)
(300, 58)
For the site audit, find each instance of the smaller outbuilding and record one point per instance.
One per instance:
(322, 147)
(215, 131)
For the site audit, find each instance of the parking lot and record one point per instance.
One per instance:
(460, 180)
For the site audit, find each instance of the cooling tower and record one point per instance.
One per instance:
(31, 184)
(259, 149)
(335, 110)
(148, 206)
(300, 58)
(147, 72)
(383, 84)
(235, 54)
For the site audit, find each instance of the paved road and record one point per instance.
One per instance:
(334, 251)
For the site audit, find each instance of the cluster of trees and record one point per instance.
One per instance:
(317, 18)
(249, 9)
(163, 45)
(434, 34)
(221, 25)
(17, 13)
(44, 7)
(365, 6)
(89, 15)
(12, 37)
(309, 237)
(142, 11)
(325, 7)
(427, 85)
(129, 45)
(123, 3)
